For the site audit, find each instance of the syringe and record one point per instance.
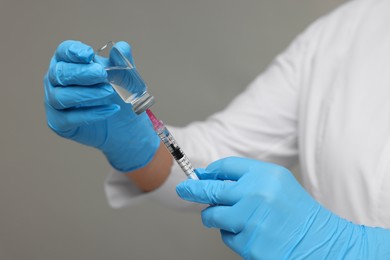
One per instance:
(172, 146)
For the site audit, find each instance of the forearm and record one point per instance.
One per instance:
(155, 173)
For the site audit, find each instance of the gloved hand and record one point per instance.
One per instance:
(264, 213)
(82, 106)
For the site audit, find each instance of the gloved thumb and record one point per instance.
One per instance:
(120, 55)
(229, 168)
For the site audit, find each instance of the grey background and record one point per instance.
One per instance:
(195, 55)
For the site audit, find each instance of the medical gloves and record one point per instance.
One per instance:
(82, 106)
(264, 213)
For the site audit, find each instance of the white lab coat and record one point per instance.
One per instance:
(324, 102)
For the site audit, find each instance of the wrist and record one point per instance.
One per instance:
(332, 237)
(377, 242)
(320, 237)
(154, 174)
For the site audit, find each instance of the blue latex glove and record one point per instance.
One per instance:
(82, 106)
(264, 213)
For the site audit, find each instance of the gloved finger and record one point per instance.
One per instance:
(67, 97)
(212, 192)
(203, 174)
(104, 61)
(223, 217)
(74, 51)
(67, 74)
(230, 168)
(231, 240)
(63, 98)
(233, 218)
(120, 53)
(63, 120)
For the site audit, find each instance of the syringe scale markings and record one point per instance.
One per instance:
(172, 146)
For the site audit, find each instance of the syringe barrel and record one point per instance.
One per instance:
(177, 153)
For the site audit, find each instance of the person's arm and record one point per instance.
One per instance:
(260, 123)
(155, 173)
